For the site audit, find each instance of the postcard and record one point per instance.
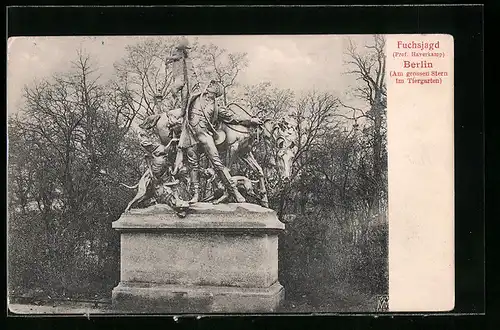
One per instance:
(230, 174)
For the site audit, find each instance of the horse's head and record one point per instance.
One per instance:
(283, 138)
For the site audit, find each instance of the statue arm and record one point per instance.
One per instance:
(173, 58)
(228, 117)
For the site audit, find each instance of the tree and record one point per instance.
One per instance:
(66, 151)
(270, 101)
(313, 116)
(217, 63)
(368, 66)
(142, 82)
(21, 168)
(140, 77)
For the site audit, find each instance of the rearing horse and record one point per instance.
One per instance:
(237, 142)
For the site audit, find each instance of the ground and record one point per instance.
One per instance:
(60, 308)
(354, 304)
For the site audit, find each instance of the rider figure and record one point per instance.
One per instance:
(184, 77)
(198, 131)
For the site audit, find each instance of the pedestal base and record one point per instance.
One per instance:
(164, 298)
(219, 259)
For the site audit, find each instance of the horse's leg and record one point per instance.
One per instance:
(250, 160)
(179, 159)
(232, 153)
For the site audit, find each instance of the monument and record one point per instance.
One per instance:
(221, 258)
(218, 251)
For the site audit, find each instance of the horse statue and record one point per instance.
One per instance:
(236, 142)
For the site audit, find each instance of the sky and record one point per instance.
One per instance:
(296, 62)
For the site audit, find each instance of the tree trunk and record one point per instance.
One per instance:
(377, 154)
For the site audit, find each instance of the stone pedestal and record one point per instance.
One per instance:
(219, 258)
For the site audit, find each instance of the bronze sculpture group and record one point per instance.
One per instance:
(176, 142)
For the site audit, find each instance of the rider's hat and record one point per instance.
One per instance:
(214, 87)
(183, 43)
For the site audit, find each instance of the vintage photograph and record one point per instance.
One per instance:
(197, 174)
